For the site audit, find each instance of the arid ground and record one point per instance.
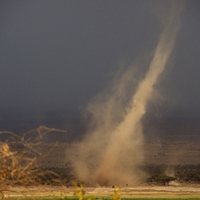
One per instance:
(156, 152)
(131, 192)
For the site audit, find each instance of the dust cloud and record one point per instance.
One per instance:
(112, 150)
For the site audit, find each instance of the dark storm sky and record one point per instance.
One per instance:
(60, 54)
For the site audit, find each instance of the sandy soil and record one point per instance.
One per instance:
(131, 192)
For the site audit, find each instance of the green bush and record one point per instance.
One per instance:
(160, 179)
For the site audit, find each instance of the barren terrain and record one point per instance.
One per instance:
(156, 152)
(128, 192)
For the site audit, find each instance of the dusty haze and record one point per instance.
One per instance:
(113, 147)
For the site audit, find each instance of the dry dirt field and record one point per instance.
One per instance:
(155, 152)
(126, 192)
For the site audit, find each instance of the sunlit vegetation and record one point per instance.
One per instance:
(19, 161)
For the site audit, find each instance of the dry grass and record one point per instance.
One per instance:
(19, 161)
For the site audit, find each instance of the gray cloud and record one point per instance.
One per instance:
(58, 55)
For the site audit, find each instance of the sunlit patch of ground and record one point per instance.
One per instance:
(126, 192)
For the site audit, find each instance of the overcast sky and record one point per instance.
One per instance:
(60, 54)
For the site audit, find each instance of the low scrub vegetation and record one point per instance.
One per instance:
(182, 173)
(160, 179)
(19, 161)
